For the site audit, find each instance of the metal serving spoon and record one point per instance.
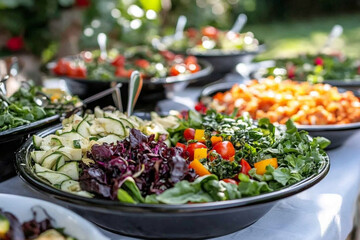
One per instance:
(239, 23)
(336, 32)
(135, 86)
(102, 39)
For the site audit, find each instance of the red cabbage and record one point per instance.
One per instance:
(153, 165)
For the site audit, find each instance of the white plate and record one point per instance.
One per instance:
(74, 225)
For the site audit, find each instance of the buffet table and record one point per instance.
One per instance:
(325, 211)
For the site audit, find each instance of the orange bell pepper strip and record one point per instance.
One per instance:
(200, 153)
(199, 168)
(261, 166)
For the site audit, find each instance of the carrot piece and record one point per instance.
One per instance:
(199, 168)
(199, 135)
(261, 166)
(215, 139)
(200, 153)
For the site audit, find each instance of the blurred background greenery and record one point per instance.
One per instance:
(50, 29)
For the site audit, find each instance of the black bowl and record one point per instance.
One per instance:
(336, 133)
(160, 221)
(348, 84)
(11, 140)
(154, 89)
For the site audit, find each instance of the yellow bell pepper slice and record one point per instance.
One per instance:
(199, 135)
(199, 168)
(261, 166)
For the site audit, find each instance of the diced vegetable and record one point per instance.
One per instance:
(261, 166)
(245, 166)
(215, 139)
(200, 153)
(199, 135)
(199, 168)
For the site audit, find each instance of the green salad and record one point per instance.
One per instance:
(23, 107)
(189, 158)
(316, 68)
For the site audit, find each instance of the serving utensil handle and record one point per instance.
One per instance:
(135, 86)
(336, 32)
(239, 23)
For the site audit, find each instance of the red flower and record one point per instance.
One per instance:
(82, 3)
(319, 61)
(15, 43)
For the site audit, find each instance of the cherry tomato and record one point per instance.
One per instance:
(191, 32)
(189, 134)
(122, 72)
(142, 63)
(170, 56)
(61, 67)
(119, 61)
(71, 70)
(245, 166)
(191, 149)
(229, 180)
(225, 149)
(181, 145)
(193, 67)
(177, 69)
(81, 72)
(190, 60)
(210, 32)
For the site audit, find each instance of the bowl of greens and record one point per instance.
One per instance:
(87, 73)
(30, 218)
(159, 178)
(336, 70)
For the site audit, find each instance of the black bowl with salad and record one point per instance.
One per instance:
(159, 178)
(87, 73)
(24, 113)
(223, 49)
(335, 69)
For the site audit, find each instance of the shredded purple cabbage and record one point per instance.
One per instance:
(152, 164)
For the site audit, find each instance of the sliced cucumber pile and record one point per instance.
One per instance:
(57, 155)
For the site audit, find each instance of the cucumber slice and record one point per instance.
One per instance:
(37, 141)
(77, 144)
(53, 177)
(70, 186)
(98, 112)
(59, 163)
(39, 168)
(37, 156)
(113, 126)
(49, 161)
(126, 123)
(83, 128)
(70, 153)
(55, 142)
(70, 169)
(109, 139)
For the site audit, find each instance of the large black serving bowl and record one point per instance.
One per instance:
(11, 140)
(159, 221)
(154, 89)
(337, 133)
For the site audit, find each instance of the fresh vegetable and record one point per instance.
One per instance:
(191, 149)
(198, 167)
(316, 68)
(24, 108)
(212, 39)
(11, 228)
(200, 153)
(304, 103)
(245, 167)
(225, 149)
(189, 134)
(150, 164)
(261, 166)
(199, 135)
(148, 61)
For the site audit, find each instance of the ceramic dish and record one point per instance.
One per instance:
(73, 224)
